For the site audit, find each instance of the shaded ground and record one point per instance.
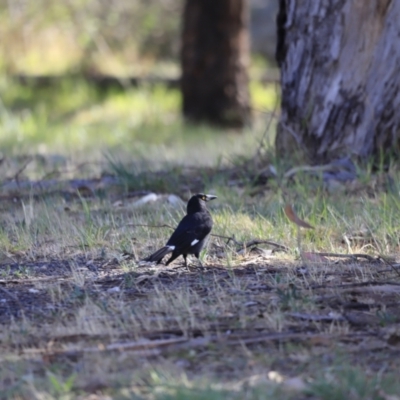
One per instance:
(229, 324)
(79, 318)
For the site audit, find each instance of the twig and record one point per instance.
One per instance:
(19, 172)
(255, 242)
(252, 242)
(56, 173)
(294, 134)
(15, 298)
(355, 255)
(389, 264)
(261, 143)
(183, 343)
(355, 284)
(150, 226)
(228, 239)
(307, 168)
(32, 280)
(10, 294)
(316, 317)
(135, 346)
(242, 245)
(298, 241)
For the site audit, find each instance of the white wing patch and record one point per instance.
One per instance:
(195, 241)
(172, 248)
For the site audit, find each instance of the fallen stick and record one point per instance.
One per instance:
(185, 343)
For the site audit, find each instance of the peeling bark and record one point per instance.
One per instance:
(214, 59)
(340, 76)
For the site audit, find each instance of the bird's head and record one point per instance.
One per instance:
(205, 197)
(197, 202)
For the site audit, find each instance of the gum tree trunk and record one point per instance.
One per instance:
(340, 76)
(214, 59)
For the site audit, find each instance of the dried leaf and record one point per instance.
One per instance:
(294, 218)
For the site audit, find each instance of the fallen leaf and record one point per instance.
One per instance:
(294, 218)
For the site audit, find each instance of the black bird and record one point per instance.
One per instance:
(191, 234)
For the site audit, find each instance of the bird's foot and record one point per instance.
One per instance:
(200, 267)
(190, 267)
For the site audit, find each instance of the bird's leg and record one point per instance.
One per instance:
(186, 264)
(172, 258)
(197, 255)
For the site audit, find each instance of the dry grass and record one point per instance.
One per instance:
(79, 317)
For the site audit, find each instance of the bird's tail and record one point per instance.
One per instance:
(159, 254)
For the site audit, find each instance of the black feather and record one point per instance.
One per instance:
(159, 255)
(191, 234)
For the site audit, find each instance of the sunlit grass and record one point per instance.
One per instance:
(264, 97)
(77, 121)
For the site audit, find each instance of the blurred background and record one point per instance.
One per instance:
(94, 80)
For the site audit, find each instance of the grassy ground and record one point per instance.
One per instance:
(74, 123)
(81, 319)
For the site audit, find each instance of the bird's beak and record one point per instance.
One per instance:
(210, 197)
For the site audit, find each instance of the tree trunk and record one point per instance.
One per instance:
(215, 58)
(340, 76)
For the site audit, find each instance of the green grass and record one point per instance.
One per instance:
(141, 124)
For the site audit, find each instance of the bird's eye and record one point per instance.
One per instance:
(204, 198)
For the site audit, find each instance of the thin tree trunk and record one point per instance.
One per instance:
(340, 76)
(215, 58)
